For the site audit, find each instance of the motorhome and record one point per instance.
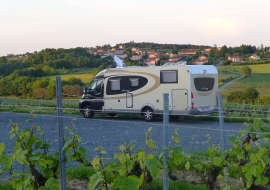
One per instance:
(192, 90)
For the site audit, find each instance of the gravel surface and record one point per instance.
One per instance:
(110, 133)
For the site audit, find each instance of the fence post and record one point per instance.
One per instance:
(258, 102)
(243, 104)
(221, 122)
(165, 138)
(62, 165)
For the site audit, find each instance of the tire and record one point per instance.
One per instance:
(174, 117)
(148, 114)
(88, 113)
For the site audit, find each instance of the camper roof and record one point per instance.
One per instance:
(193, 69)
(202, 69)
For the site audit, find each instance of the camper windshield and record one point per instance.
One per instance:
(96, 86)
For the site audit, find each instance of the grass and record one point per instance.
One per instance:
(226, 76)
(165, 50)
(157, 184)
(5, 185)
(80, 173)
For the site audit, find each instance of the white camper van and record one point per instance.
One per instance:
(192, 91)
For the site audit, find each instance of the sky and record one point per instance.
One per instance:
(33, 25)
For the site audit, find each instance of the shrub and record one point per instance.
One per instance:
(246, 71)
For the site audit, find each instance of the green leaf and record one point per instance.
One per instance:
(12, 136)
(248, 184)
(187, 165)
(94, 179)
(42, 163)
(68, 141)
(48, 172)
(140, 150)
(161, 156)
(141, 155)
(3, 158)
(9, 161)
(82, 150)
(218, 161)
(169, 160)
(233, 139)
(51, 184)
(17, 173)
(264, 180)
(38, 144)
(178, 158)
(2, 147)
(126, 183)
(178, 149)
(85, 161)
(153, 165)
(250, 170)
(258, 180)
(151, 144)
(175, 139)
(198, 167)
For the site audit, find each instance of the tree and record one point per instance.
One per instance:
(51, 88)
(246, 71)
(250, 94)
(41, 93)
(223, 51)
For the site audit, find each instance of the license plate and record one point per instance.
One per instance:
(206, 109)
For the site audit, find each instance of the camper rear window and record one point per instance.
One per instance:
(168, 76)
(204, 84)
(115, 84)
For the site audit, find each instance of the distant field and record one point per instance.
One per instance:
(165, 50)
(260, 81)
(224, 75)
(86, 78)
(17, 58)
(263, 68)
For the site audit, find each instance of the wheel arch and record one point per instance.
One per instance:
(146, 106)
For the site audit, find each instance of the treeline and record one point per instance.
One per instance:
(149, 45)
(248, 95)
(65, 58)
(250, 63)
(8, 67)
(30, 87)
(225, 52)
(47, 61)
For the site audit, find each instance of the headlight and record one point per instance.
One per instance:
(83, 95)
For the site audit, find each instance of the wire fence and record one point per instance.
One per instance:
(110, 133)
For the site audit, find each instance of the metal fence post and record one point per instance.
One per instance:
(222, 134)
(165, 138)
(221, 122)
(62, 165)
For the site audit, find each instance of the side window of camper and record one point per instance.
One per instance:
(115, 84)
(168, 76)
(134, 82)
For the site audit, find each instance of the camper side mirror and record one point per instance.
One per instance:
(87, 91)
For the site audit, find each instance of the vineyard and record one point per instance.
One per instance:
(245, 165)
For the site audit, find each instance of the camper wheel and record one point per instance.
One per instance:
(174, 117)
(87, 113)
(148, 114)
